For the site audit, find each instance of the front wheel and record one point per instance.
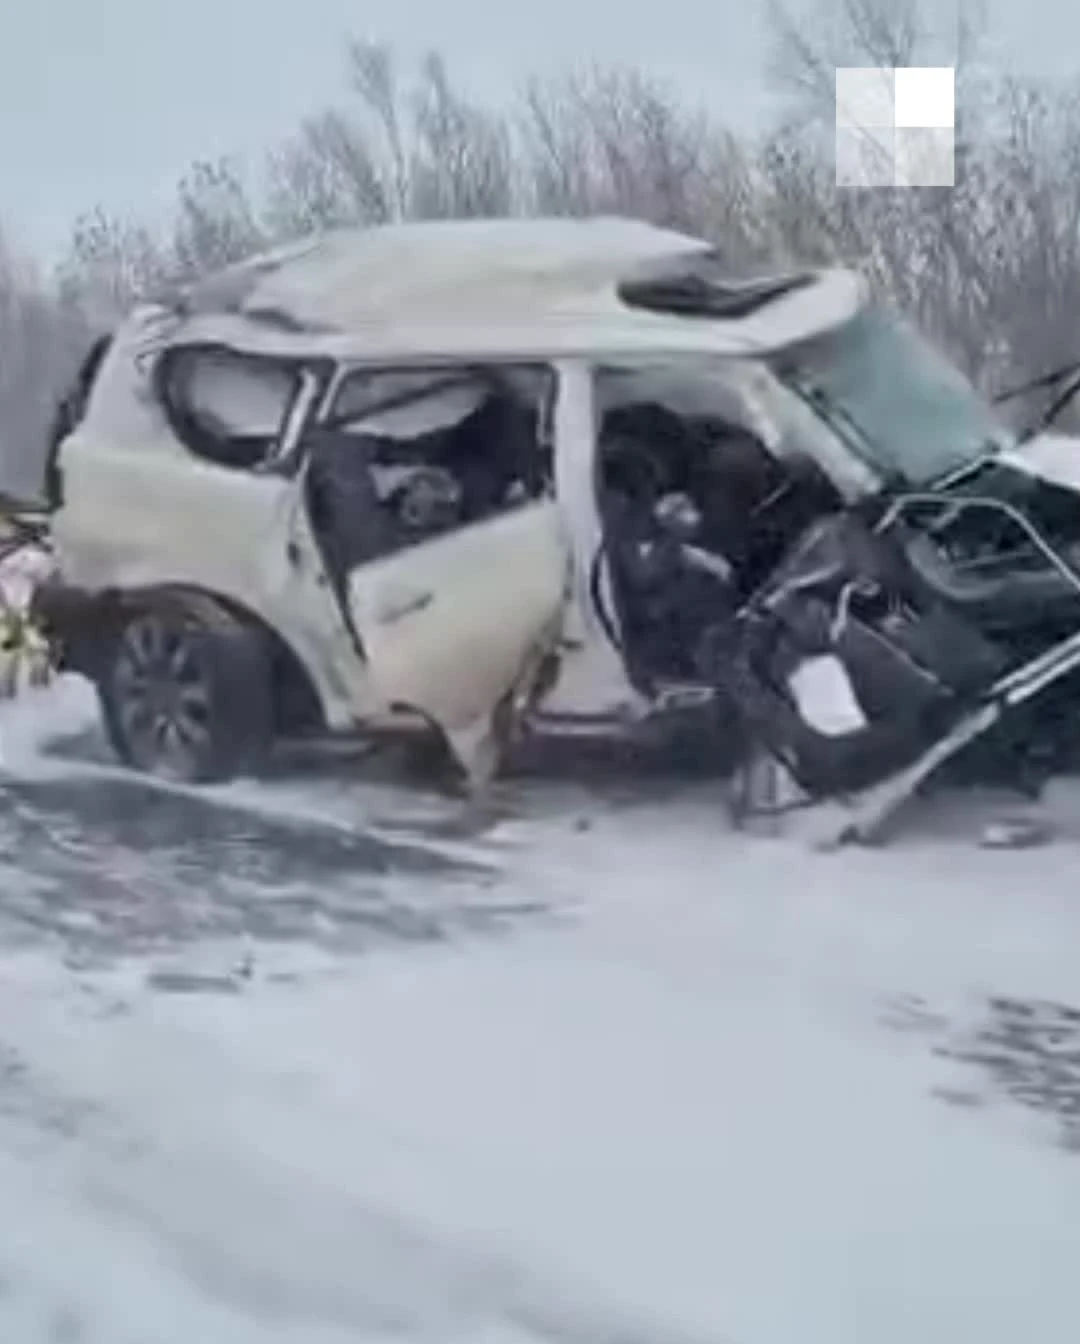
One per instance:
(186, 693)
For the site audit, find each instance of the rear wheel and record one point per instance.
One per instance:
(186, 693)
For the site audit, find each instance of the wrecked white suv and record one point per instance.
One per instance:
(554, 475)
(360, 482)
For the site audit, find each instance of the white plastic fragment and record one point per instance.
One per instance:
(824, 696)
(1015, 833)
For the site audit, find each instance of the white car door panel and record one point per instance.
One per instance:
(235, 534)
(448, 625)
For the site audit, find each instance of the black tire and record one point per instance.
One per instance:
(186, 692)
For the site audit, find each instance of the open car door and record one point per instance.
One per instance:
(452, 611)
(453, 624)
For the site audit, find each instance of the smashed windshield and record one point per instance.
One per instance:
(899, 404)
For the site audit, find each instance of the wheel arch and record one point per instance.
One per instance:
(85, 623)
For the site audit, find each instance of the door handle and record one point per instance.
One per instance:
(399, 605)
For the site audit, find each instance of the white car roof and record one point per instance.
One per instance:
(493, 288)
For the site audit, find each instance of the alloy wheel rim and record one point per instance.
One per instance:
(163, 697)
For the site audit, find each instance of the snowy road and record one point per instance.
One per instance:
(295, 1062)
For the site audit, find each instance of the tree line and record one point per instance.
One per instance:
(989, 268)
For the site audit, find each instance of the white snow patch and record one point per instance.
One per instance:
(74, 1272)
(680, 1112)
(41, 716)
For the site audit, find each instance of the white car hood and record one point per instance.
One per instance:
(1052, 457)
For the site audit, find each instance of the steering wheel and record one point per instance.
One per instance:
(430, 501)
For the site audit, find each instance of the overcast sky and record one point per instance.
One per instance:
(108, 101)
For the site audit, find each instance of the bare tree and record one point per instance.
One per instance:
(613, 140)
(1026, 227)
(400, 149)
(108, 265)
(462, 160)
(216, 222)
(374, 79)
(930, 250)
(989, 267)
(812, 39)
(40, 339)
(325, 177)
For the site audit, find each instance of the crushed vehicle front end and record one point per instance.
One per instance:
(906, 592)
(938, 619)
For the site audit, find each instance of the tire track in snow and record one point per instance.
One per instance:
(111, 867)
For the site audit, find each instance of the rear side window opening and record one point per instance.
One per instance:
(227, 407)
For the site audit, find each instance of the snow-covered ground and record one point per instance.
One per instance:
(621, 1075)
